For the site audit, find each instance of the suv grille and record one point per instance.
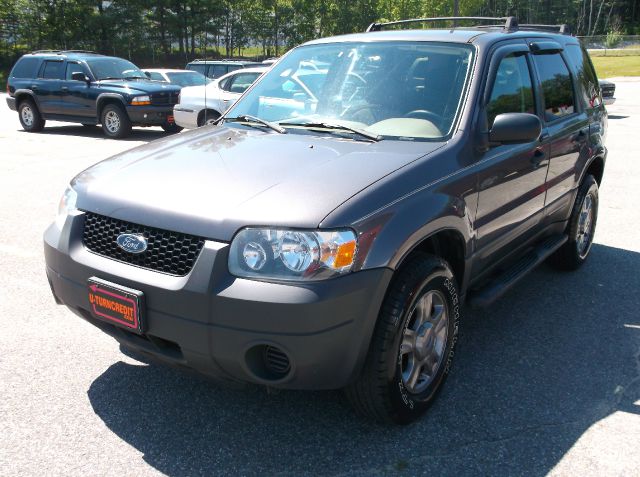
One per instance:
(167, 252)
(163, 99)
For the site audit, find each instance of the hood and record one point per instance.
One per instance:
(214, 180)
(139, 86)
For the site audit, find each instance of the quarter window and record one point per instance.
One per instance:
(52, 70)
(512, 91)
(585, 75)
(25, 68)
(557, 87)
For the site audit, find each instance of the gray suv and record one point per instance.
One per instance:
(327, 231)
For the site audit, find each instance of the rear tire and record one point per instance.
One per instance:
(413, 344)
(115, 121)
(30, 118)
(171, 128)
(207, 117)
(581, 228)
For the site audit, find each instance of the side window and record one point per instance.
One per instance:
(240, 82)
(25, 68)
(557, 87)
(512, 91)
(218, 71)
(52, 70)
(588, 92)
(156, 76)
(200, 68)
(74, 68)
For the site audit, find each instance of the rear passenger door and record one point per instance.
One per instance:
(47, 86)
(566, 126)
(511, 177)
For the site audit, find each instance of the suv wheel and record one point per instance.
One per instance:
(412, 346)
(30, 117)
(171, 128)
(581, 227)
(115, 121)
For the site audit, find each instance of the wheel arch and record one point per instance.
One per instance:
(595, 168)
(22, 94)
(207, 111)
(108, 98)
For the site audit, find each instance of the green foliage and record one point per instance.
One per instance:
(171, 32)
(613, 39)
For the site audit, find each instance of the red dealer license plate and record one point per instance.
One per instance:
(116, 304)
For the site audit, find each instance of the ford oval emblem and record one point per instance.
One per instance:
(132, 243)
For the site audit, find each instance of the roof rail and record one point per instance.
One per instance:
(564, 29)
(510, 23)
(63, 51)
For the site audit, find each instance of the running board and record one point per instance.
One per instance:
(500, 284)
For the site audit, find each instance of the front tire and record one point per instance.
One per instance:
(413, 344)
(115, 121)
(30, 118)
(581, 228)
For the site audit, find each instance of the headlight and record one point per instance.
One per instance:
(67, 204)
(293, 255)
(141, 100)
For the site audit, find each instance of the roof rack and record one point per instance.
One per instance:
(563, 28)
(63, 51)
(510, 23)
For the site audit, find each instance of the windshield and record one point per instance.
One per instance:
(401, 90)
(115, 68)
(187, 78)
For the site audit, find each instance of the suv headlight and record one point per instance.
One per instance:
(141, 100)
(67, 204)
(292, 255)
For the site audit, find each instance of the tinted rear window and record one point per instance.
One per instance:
(52, 70)
(25, 68)
(557, 87)
(199, 68)
(586, 76)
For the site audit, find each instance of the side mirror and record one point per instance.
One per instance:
(77, 76)
(148, 74)
(513, 128)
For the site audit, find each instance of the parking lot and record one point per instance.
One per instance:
(546, 380)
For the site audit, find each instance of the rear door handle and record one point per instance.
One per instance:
(64, 88)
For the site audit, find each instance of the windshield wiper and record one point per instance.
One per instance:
(135, 77)
(338, 127)
(253, 121)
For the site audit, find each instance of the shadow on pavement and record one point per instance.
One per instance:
(532, 374)
(137, 134)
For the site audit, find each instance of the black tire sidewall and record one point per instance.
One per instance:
(589, 187)
(408, 406)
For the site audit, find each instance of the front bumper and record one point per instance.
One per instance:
(213, 322)
(11, 102)
(150, 115)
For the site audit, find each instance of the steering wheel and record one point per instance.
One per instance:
(424, 114)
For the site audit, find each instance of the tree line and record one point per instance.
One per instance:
(171, 32)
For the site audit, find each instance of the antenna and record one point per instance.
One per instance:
(206, 66)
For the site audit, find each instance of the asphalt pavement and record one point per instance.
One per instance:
(545, 381)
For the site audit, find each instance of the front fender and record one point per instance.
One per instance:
(105, 96)
(396, 231)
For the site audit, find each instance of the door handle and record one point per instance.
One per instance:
(538, 156)
(579, 136)
(64, 88)
(544, 136)
(34, 86)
